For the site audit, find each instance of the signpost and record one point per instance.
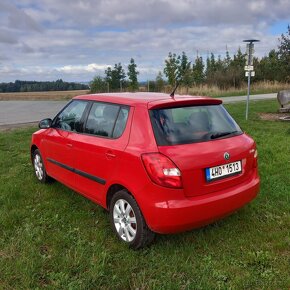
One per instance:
(249, 68)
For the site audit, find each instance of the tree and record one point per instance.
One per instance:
(210, 69)
(284, 54)
(227, 60)
(98, 85)
(184, 72)
(115, 77)
(160, 84)
(198, 71)
(269, 67)
(237, 66)
(171, 68)
(132, 75)
(33, 86)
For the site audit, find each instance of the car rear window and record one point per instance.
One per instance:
(192, 124)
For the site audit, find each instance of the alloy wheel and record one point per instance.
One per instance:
(125, 220)
(38, 166)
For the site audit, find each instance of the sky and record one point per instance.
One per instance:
(76, 40)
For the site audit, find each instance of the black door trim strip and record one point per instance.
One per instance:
(79, 172)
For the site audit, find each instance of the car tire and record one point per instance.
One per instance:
(128, 222)
(39, 168)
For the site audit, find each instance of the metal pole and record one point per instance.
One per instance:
(248, 96)
(148, 86)
(249, 68)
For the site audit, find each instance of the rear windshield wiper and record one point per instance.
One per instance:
(221, 134)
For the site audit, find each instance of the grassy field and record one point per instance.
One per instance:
(213, 91)
(256, 88)
(53, 238)
(53, 95)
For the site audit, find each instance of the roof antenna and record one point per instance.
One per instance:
(175, 88)
(180, 79)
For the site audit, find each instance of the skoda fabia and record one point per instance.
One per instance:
(158, 164)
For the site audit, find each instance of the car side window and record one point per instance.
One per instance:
(107, 120)
(70, 118)
(121, 122)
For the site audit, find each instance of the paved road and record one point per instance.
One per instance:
(19, 112)
(14, 113)
(227, 100)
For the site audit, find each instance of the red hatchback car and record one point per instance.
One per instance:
(158, 164)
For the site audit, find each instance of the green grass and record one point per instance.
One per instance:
(256, 88)
(53, 238)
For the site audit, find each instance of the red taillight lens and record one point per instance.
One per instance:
(162, 170)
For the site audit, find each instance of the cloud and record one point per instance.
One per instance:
(77, 39)
(112, 13)
(16, 18)
(6, 37)
(91, 68)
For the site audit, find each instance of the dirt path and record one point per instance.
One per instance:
(39, 96)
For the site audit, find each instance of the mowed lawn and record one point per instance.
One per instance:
(53, 238)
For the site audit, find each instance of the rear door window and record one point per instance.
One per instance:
(107, 120)
(192, 124)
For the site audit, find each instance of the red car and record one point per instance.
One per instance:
(158, 164)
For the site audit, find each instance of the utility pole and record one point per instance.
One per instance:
(249, 68)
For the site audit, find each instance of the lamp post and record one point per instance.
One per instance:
(249, 68)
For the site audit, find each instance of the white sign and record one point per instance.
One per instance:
(251, 72)
(249, 67)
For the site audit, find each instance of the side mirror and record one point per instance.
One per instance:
(45, 123)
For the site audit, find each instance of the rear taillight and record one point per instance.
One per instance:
(162, 170)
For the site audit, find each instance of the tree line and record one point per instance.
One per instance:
(227, 72)
(34, 86)
(115, 79)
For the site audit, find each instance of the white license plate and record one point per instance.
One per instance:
(224, 170)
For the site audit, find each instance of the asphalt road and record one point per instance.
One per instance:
(17, 113)
(20, 112)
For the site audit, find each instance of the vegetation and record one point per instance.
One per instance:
(229, 72)
(256, 88)
(132, 75)
(159, 83)
(99, 85)
(284, 54)
(226, 74)
(115, 79)
(33, 86)
(53, 238)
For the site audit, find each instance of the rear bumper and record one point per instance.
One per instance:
(178, 215)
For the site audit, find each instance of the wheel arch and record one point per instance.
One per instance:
(32, 149)
(111, 191)
(114, 188)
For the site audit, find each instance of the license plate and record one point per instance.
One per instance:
(222, 171)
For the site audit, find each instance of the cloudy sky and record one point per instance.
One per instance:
(77, 39)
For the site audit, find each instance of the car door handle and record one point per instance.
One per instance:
(110, 155)
(69, 145)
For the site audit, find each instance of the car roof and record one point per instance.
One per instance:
(152, 100)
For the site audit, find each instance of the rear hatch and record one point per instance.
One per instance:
(195, 160)
(206, 144)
